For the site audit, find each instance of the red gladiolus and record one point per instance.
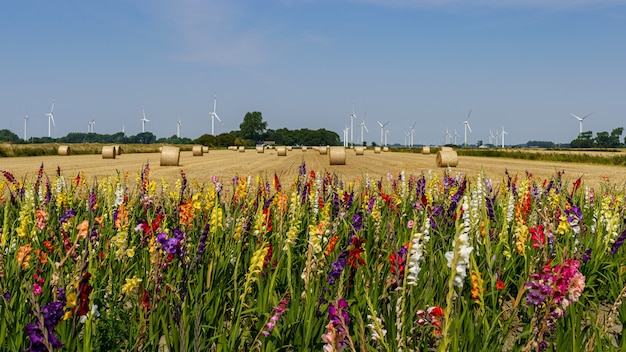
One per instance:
(499, 285)
(84, 290)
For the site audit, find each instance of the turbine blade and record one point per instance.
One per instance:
(52, 118)
(218, 118)
(584, 117)
(468, 114)
(577, 117)
(469, 128)
(368, 131)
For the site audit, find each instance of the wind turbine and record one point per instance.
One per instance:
(90, 125)
(363, 127)
(178, 124)
(467, 127)
(386, 134)
(352, 117)
(456, 135)
(50, 117)
(448, 135)
(382, 130)
(503, 133)
(214, 116)
(491, 141)
(580, 120)
(412, 131)
(143, 121)
(345, 136)
(25, 121)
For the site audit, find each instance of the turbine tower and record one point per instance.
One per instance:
(467, 127)
(50, 117)
(345, 136)
(178, 124)
(214, 116)
(491, 141)
(143, 120)
(580, 121)
(25, 121)
(412, 131)
(90, 125)
(382, 131)
(363, 127)
(352, 117)
(448, 135)
(456, 135)
(503, 133)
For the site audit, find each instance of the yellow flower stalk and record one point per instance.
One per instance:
(131, 285)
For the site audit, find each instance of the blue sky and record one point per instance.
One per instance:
(524, 65)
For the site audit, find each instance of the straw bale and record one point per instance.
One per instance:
(64, 150)
(376, 150)
(426, 150)
(337, 156)
(108, 152)
(197, 150)
(359, 150)
(242, 149)
(447, 158)
(281, 150)
(170, 156)
(260, 149)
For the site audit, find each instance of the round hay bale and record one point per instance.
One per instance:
(385, 149)
(376, 150)
(281, 150)
(170, 155)
(160, 149)
(118, 149)
(447, 158)
(304, 148)
(289, 148)
(205, 149)
(64, 150)
(359, 150)
(242, 149)
(232, 147)
(337, 156)
(197, 150)
(426, 150)
(322, 150)
(260, 149)
(108, 152)
(447, 148)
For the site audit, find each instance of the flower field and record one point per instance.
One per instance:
(432, 261)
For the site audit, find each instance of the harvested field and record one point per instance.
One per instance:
(226, 164)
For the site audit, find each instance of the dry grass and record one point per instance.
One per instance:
(227, 164)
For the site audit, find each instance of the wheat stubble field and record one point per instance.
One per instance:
(226, 164)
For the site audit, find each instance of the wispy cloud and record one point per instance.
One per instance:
(215, 32)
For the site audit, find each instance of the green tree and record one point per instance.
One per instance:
(253, 127)
(584, 140)
(615, 134)
(8, 136)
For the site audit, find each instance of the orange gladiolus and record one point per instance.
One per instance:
(83, 228)
(23, 256)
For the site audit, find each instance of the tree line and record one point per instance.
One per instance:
(602, 139)
(253, 130)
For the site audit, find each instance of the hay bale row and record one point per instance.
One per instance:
(242, 149)
(109, 152)
(359, 150)
(205, 149)
(304, 148)
(281, 150)
(322, 150)
(118, 149)
(385, 149)
(232, 147)
(426, 150)
(447, 158)
(197, 150)
(260, 149)
(170, 156)
(376, 150)
(337, 156)
(289, 148)
(64, 150)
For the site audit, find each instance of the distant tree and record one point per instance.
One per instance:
(225, 139)
(540, 144)
(207, 139)
(143, 138)
(584, 140)
(603, 140)
(615, 134)
(8, 136)
(253, 127)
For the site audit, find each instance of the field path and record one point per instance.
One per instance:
(226, 164)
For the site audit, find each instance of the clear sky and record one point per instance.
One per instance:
(524, 65)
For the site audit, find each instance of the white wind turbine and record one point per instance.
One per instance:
(456, 135)
(412, 132)
(90, 126)
(352, 117)
(363, 127)
(25, 122)
(382, 131)
(386, 135)
(580, 120)
(491, 141)
(214, 115)
(143, 120)
(467, 127)
(178, 124)
(448, 136)
(503, 133)
(345, 136)
(50, 117)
